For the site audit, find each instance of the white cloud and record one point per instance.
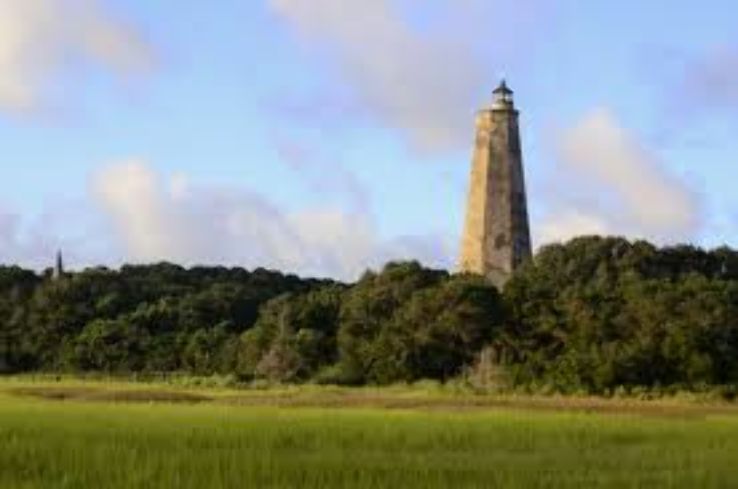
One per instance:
(40, 39)
(174, 220)
(568, 223)
(33, 240)
(131, 193)
(609, 183)
(423, 76)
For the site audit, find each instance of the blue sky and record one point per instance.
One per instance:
(327, 136)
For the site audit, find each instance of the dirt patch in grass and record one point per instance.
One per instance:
(104, 395)
(481, 403)
(375, 399)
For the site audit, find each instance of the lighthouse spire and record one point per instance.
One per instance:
(59, 266)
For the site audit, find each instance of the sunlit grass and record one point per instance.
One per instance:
(76, 444)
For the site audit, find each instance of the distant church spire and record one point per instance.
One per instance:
(59, 267)
(496, 236)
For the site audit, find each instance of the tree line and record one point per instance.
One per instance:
(592, 314)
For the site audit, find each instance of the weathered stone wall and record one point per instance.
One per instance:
(496, 235)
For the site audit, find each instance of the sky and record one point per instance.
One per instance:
(325, 137)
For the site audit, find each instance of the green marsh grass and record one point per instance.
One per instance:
(101, 444)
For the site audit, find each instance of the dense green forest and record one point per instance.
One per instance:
(592, 314)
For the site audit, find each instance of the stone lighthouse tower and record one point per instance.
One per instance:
(496, 236)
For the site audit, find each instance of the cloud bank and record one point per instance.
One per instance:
(40, 39)
(608, 183)
(17, 243)
(170, 219)
(422, 75)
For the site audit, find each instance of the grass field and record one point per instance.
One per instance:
(92, 435)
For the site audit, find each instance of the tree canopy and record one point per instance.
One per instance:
(592, 314)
